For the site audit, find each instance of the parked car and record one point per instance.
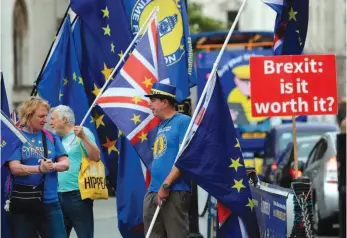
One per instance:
(321, 168)
(285, 173)
(278, 138)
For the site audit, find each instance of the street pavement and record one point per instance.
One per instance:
(105, 221)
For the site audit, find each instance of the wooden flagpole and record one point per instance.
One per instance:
(295, 147)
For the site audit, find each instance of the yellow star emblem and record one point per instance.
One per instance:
(96, 90)
(143, 136)
(250, 204)
(136, 99)
(120, 133)
(147, 82)
(106, 72)
(65, 81)
(60, 95)
(121, 54)
(33, 141)
(107, 30)
(297, 31)
(112, 47)
(237, 143)
(136, 119)
(181, 47)
(80, 80)
(110, 145)
(292, 14)
(235, 164)
(106, 13)
(74, 76)
(238, 185)
(98, 119)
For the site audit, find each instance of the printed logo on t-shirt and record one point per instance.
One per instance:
(28, 152)
(160, 146)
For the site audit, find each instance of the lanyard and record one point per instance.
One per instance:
(162, 127)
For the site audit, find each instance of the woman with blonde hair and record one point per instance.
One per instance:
(33, 200)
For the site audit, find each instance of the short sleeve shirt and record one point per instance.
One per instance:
(169, 137)
(28, 156)
(68, 180)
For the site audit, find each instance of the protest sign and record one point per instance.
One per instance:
(293, 85)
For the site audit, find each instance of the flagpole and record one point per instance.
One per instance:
(208, 83)
(152, 15)
(207, 86)
(34, 90)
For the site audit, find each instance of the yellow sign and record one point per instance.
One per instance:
(253, 135)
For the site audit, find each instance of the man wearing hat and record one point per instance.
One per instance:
(167, 187)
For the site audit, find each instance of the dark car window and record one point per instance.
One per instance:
(304, 149)
(312, 154)
(321, 150)
(287, 137)
(268, 144)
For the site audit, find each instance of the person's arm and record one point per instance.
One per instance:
(62, 164)
(92, 150)
(173, 176)
(89, 144)
(19, 169)
(175, 173)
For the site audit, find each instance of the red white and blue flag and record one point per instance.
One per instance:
(124, 102)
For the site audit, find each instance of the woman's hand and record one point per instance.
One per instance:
(46, 165)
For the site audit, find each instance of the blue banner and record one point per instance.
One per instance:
(174, 36)
(271, 210)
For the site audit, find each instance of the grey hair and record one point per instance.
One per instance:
(65, 111)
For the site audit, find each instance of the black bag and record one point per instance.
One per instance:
(28, 198)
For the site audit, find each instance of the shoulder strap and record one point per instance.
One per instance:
(49, 135)
(82, 149)
(45, 151)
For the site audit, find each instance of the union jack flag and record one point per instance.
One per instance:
(124, 102)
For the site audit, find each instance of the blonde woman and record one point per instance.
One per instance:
(33, 200)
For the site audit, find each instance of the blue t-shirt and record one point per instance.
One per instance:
(169, 137)
(29, 156)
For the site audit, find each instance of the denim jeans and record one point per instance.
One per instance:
(78, 214)
(49, 224)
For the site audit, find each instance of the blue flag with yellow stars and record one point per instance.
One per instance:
(4, 170)
(290, 25)
(213, 159)
(174, 35)
(62, 83)
(101, 37)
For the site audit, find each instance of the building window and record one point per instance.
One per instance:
(20, 42)
(231, 18)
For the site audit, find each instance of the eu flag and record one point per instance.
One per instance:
(61, 81)
(290, 25)
(101, 35)
(10, 139)
(213, 159)
(4, 170)
(174, 35)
